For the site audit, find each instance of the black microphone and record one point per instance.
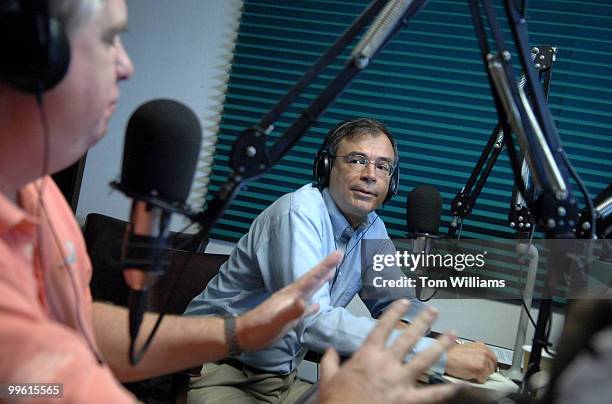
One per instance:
(162, 144)
(423, 211)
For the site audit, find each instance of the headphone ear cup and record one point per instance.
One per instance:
(323, 160)
(322, 168)
(58, 55)
(393, 185)
(34, 48)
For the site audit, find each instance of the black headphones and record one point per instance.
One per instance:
(324, 160)
(38, 55)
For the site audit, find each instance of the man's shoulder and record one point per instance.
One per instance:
(307, 199)
(304, 205)
(307, 194)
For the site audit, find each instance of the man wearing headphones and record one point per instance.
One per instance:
(356, 171)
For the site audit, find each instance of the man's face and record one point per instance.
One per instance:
(80, 107)
(359, 190)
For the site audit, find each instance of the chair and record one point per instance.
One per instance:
(103, 236)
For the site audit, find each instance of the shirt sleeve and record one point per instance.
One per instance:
(294, 245)
(37, 349)
(378, 299)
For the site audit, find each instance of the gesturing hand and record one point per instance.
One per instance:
(378, 374)
(279, 313)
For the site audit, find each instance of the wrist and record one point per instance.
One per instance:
(231, 330)
(243, 334)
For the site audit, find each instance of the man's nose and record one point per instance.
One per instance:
(124, 65)
(369, 172)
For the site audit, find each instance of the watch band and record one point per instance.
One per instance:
(231, 336)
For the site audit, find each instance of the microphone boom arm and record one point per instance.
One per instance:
(520, 217)
(555, 210)
(250, 158)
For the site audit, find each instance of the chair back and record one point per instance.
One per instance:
(104, 236)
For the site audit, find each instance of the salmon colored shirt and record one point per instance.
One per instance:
(46, 330)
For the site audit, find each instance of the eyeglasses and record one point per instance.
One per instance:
(357, 162)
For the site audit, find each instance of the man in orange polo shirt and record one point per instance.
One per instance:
(51, 331)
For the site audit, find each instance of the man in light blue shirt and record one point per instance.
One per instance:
(356, 171)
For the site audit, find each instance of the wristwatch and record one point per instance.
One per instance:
(231, 336)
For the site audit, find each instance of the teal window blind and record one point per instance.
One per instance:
(430, 89)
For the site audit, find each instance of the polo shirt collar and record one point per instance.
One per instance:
(10, 214)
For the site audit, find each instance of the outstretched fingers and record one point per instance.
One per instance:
(379, 335)
(411, 335)
(423, 361)
(330, 364)
(312, 280)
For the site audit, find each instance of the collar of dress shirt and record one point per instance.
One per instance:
(339, 222)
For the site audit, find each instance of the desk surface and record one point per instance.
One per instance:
(496, 381)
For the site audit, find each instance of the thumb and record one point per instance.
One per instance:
(330, 364)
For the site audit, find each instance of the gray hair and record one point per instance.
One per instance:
(72, 14)
(357, 127)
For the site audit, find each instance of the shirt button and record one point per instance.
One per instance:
(28, 251)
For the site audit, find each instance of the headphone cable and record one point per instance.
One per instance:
(40, 210)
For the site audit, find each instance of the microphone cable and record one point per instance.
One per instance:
(136, 357)
(349, 251)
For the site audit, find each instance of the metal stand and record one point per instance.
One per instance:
(555, 209)
(520, 217)
(530, 252)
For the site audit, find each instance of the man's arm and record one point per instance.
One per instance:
(180, 343)
(184, 342)
(473, 361)
(295, 240)
(378, 298)
(376, 372)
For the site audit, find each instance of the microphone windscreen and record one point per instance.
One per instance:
(162, 144)
(423, 209)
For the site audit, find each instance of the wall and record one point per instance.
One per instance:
(181, 50)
